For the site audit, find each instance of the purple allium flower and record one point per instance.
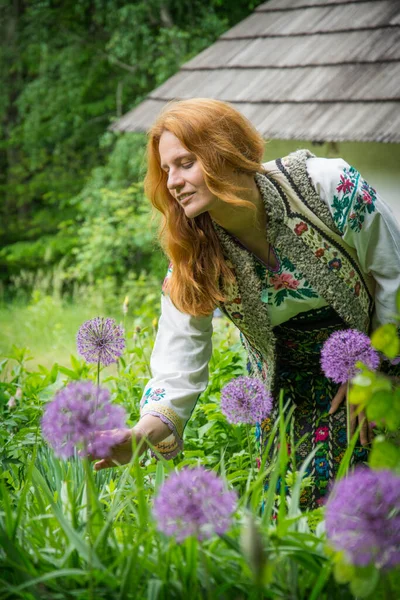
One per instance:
(81, 417)
(245, 400)
(342, 350)
(363, 517)
(100, 340)
(194, 502)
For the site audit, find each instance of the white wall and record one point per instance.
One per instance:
(378, 163)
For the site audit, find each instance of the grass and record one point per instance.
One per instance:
(67, 533)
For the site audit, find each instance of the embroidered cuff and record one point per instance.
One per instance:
(168, 448)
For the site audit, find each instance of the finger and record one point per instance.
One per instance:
(105, 463)
(338, 399)
(364, 437)
(371, 433)
(353, 419)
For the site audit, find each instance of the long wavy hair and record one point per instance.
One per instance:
(221, 138)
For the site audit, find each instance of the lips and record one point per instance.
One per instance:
(184, 199)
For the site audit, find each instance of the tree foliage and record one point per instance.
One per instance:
(68, 69)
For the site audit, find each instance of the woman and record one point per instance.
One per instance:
(290, 251)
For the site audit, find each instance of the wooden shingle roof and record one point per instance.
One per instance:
(321, 70)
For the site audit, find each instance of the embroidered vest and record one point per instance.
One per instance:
(301, 226)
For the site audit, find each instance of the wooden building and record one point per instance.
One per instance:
(318, 73)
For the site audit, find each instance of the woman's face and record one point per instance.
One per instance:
(185, 177)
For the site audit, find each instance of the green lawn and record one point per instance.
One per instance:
(47, 328)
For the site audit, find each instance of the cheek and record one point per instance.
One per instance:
(202, 186)
(197, 178)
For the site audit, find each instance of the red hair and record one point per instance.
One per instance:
(220, 137)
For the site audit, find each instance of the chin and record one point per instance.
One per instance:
(194, 211)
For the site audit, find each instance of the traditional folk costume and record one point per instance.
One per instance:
(337, 250)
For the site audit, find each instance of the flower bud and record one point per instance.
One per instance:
(11, 403)
(154, 323)
(252, 547)
(18, 394)
(125, 305)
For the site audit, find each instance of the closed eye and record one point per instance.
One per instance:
(187, 165)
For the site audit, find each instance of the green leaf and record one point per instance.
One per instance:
(75, 363)
(321, 581)
(346, 460)
(364, 582)
(52, 575)
(54, 373)
(384, 408)
(71, 374)
(384, 455)
(385, 339)
(342, 570)
(76, 539)
(154, 589)
(365, 384)
(204, 429)
(361, 390)
(49, 391)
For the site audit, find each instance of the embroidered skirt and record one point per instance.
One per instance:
(299, 343)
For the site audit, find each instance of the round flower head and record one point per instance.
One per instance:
(194, 502)
(342, 350)
(363, 517)
(100, 340)
(245, 400)
(76, 418)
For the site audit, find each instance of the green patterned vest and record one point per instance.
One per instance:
(300, 224)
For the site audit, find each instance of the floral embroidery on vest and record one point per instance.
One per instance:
(233, 304)
(244, 307)
(355, 196)
(329, 255)
(331, 270)
(286, 282)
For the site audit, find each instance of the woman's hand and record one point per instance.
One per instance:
(366, 433)
(121, 453)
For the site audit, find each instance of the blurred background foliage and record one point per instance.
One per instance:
(72, 211)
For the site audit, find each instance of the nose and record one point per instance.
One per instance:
(175, 180)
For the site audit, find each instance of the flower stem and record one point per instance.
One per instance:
(89, 529)
(146, 360)
(387, 588)
(203, 558)
(348, 415)
(249, 443)
(98, 373)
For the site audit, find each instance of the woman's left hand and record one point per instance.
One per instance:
(366, 433)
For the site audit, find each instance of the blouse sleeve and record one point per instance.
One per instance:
(179, 366)
(366, 224)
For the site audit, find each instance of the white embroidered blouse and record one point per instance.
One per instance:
(182, 349)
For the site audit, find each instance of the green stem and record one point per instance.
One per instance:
(348, 415)
(249, 443)
(98, 373)
(204, 561)
(387, 588)
(146, 360)
(89, 529)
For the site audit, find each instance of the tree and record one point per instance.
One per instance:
(69, 68)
